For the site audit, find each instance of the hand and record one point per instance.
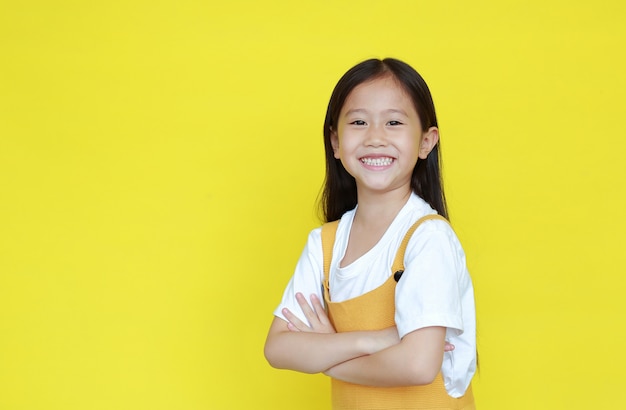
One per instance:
(315, 314)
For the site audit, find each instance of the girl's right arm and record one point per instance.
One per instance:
(312, 346)
(316, 347)
(307, 342)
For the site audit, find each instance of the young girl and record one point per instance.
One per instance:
(388, 266)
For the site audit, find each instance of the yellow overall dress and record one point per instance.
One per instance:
(373, 311)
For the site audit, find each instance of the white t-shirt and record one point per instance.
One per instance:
(435, 289)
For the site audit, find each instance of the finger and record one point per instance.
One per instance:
(292, 328)
(448, 347)
(306, 308)
(319, 310)
(294, 320)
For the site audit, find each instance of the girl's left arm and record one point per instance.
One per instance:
(427, 305)
(416, 360)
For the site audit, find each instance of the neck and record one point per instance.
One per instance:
(375, 209)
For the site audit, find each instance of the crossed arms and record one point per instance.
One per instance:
(374, 358)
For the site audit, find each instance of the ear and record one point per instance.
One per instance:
(334, 141)
(428, 142)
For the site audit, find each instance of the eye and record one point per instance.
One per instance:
(393, 122)
(358, 122)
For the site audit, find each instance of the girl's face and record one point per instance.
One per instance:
(379, 136)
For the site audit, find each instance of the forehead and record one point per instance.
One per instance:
(379, 94)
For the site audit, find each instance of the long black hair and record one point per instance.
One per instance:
(339, 192)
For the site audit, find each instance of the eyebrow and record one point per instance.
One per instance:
(364, 111)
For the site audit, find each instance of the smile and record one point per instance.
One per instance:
(377, 162)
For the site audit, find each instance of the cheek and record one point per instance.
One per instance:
(412, 143)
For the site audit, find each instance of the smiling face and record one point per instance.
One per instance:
(379, 136)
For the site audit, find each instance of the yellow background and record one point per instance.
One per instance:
(160, 161)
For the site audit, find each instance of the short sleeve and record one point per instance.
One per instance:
(428, 293)
(307, 278)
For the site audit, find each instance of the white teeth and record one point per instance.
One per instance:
(377, 162)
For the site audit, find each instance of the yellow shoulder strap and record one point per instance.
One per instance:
(328, 240)
(398, 263)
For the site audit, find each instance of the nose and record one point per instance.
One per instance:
(375, 136)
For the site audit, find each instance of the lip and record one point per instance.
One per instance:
(377, 161)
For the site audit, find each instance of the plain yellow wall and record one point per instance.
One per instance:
(160, 161)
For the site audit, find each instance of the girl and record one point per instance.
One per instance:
(387, 264)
